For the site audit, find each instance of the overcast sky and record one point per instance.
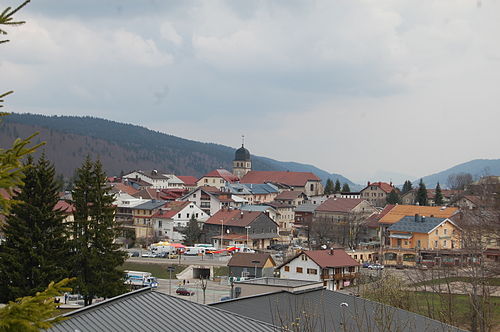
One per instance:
(353, 87)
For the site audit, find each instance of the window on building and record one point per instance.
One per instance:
(287, 268)
(435, 244)
(312, 271)
(298, 270)
(179, 215)
(445, 231)
(304, 257)
(206, 180)
(159, 223)
(418, 243)
(444, 243)
(196, 216)
(437, 231)
(194, 195)
(187, 215)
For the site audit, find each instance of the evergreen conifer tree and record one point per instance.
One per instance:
(346, 188)
(438, 198)
(393, 198)
(407, 186)
(36, 248)
(337, 186)
(96, 255)
(329, 188)
(192, 233)
(421, 198)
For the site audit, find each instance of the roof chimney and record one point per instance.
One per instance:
(368, 182)
(417, 217)
(241, 215)
(331, 251)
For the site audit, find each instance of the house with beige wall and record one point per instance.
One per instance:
(334, 267)
(419, 232)
(377, 192)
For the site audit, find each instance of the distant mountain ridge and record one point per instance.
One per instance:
(124, 147)
(476, 167)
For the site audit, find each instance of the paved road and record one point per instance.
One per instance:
(185, 260)
(213, 293)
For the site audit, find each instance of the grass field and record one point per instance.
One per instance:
(489, 281)
(157, 270)
(434, 305)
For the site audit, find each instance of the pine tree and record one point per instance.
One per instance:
(438, 198)
(329, 189)
(393, 198)
(346, 188)
(421, 198)
(337, 186)
(192, 233)
(96, 255)
(407, 186)
(36, 248)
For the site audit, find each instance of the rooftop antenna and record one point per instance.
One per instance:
(242, 140)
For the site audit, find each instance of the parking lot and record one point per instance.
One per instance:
(213, 293)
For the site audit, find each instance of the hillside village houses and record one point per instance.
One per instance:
(291, 205)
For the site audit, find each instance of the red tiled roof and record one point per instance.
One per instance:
(124, 188)
(339, 204)
(188, 180)
(289, 195)
(64, 207)
(233, 217)
(398, 212)
(147, 193)
(171, 209)
(210, 189)
(325, 259)
(241, 259)
(297, 179)
(382, 185)
(222, 173)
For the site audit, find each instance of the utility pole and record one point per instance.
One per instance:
(221, 233)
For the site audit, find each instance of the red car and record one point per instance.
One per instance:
(184, 291)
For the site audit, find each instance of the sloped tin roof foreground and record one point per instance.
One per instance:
(148, 310)
(324, 310)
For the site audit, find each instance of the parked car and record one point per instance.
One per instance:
(225, 298)
(366, 264)
(375, 267)
(148, 254)
(183, 291)
(133, 254)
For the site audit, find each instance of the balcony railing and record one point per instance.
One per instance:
(340, 276)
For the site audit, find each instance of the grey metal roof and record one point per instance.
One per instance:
(148, 310)
(251, 188)
(324, 310)
(422, 225)
(151, 205)
(306, 207)
(278, 282)
(259, 208)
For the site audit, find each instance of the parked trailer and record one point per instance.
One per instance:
(139, 279)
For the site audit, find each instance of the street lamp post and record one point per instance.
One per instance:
(247, 227)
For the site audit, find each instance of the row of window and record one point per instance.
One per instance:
(300, 270)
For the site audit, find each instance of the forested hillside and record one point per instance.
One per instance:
(124, 147)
